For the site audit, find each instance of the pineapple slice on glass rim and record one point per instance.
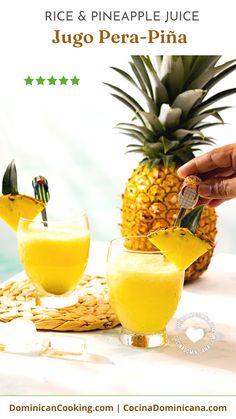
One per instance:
(181, 245)
(13, 205)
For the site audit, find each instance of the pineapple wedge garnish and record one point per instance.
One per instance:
(13, 205)
(179, 245)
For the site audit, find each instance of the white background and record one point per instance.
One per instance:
(66, 132)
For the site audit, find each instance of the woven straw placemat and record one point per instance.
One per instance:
(92, 311)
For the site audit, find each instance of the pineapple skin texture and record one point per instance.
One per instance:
(150, 201)
(12, 207)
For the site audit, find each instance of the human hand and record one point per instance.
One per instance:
(217, 169)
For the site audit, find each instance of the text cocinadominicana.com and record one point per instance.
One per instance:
(116, 408)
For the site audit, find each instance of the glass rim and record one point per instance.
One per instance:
(81, 213)
(121, 239)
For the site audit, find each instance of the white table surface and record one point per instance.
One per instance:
(112, 368)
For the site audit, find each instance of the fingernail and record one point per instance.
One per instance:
(204, 189)
(179, 172)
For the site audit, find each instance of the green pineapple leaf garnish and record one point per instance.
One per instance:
(191, 220)
(9, 181)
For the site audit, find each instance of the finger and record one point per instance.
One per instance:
(216, 202)
(218, 188)
(226, 172)
(222, 157)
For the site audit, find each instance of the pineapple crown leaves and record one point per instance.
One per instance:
(192, 218)
(174, 88)
(9, 181)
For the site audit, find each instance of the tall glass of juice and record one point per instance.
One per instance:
(54, 255)
(145, 289)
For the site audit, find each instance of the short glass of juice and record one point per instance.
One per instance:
(54, 255)
(144, 288)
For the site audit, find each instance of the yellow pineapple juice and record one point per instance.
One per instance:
(144, 289)
(55, 257)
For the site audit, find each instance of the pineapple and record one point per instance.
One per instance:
(167, 130)
(181, 245)
(14, 205)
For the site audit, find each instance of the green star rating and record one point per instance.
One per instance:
(63, 80)
(52, 81)
(75, 81)
(40, 80)
(28, 80)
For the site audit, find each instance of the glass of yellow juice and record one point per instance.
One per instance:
(54, 255)
(145, 289)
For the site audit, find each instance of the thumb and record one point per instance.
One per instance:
(218, 188)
